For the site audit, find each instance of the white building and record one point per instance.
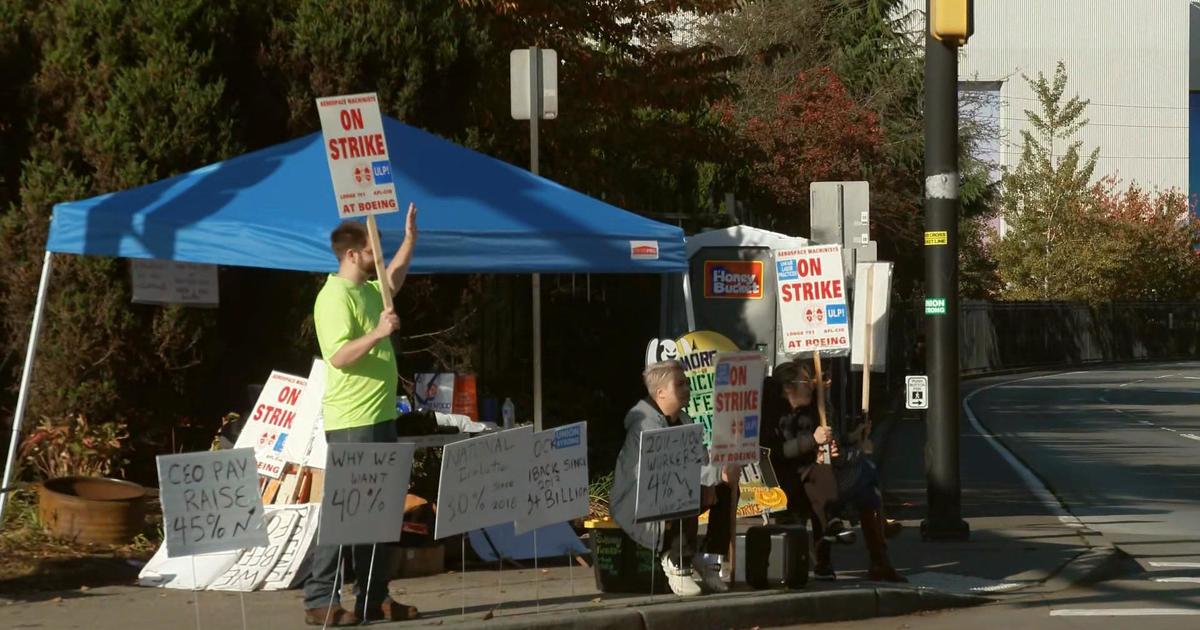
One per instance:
(1130, 58)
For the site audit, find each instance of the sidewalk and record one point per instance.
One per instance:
(1015, 546)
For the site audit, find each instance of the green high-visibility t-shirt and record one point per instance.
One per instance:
(364, 392)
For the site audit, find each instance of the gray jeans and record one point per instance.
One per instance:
(319, 589)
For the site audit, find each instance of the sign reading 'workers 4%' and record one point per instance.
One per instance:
(557, 482)
(356, 150)
(210, 502)
(737, 407)
(668, 482)
(484, 481)
(365, 489)
(812, 299)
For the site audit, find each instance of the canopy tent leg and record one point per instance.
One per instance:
(26, 375)
(537, 352)
(687, 302)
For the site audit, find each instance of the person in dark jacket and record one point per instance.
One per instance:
(800, 438)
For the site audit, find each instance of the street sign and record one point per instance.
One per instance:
(518, 73)
(840, 212)
(935, 306)
(916, 392)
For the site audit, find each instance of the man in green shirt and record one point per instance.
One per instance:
(354, 332)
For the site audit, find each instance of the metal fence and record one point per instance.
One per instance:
(1001, 336)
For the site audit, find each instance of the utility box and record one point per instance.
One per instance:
(730, 289)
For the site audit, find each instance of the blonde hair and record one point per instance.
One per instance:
(659, 374)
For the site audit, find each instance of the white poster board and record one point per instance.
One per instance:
(271, 423)
(737, 408)
(255, 564)
(294, 560)
(365, 489)
(878, 275)
(187, 573)
(484, 481)
(557, 478)
(210, 502)
(304, 427)
(171, 282)
(434, 391)
(357, 153)
(668, 483)
(812, 300)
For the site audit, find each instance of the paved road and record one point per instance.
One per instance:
(1120, 447)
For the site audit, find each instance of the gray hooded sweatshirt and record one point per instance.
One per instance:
(622, 500)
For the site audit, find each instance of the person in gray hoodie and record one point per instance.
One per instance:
(668, 394)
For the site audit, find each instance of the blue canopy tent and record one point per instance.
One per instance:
(275, 207)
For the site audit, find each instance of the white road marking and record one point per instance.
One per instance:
(1192, 378)
(1188, 580)
(1122, 612)
(1176, 565)
(1169, 429)
(1191, 436)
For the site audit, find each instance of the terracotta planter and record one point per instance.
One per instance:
(92, 509)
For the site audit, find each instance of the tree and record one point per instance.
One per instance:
(1045, 253)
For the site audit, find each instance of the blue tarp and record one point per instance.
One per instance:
(275, 208)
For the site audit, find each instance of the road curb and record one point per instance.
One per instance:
(742, 610)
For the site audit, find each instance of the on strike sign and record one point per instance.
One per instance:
(737, 407)
(270, 425)
(812, 299)
(357, 153)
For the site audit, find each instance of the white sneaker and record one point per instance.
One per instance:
(679, 579)
(708, 575)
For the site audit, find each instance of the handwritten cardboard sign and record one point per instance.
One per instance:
(210, 502)
(255, 564)
(557, 479)
(737, 407)
(273, 422)
(171, 282)
(365, 488)
(484, 481)
(668, 484)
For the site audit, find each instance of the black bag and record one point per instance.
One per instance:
(795, 554)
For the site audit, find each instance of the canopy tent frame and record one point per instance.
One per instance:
(585, 235)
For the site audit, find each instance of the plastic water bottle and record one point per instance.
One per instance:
(509, 413)
(403, 406)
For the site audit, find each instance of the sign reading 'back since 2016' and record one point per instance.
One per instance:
(733, 279)
(210, 502)
(357, 152)
(557, 479)
(668, 482)
(812, 299)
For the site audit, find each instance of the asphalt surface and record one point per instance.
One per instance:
(1119, 448)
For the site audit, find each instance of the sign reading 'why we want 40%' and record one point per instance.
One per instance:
(210, 502)
(365, 489)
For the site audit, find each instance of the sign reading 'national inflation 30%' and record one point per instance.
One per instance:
(358, 156)
(812, 299)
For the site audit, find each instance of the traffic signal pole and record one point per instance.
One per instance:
(944, 519)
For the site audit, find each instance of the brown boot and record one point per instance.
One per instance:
(881, 569)
(334, 615)
(391, 610)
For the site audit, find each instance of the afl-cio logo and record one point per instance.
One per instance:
(362, 174)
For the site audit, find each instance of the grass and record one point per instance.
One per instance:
(32, 561)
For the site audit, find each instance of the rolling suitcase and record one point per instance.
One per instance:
(788, 545)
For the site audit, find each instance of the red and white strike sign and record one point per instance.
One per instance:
(812, 299)
(357, 154)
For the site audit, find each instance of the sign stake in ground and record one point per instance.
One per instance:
(357, 153)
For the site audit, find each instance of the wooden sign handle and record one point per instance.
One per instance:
(824, 457)
(868, 340)
(385, 283)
